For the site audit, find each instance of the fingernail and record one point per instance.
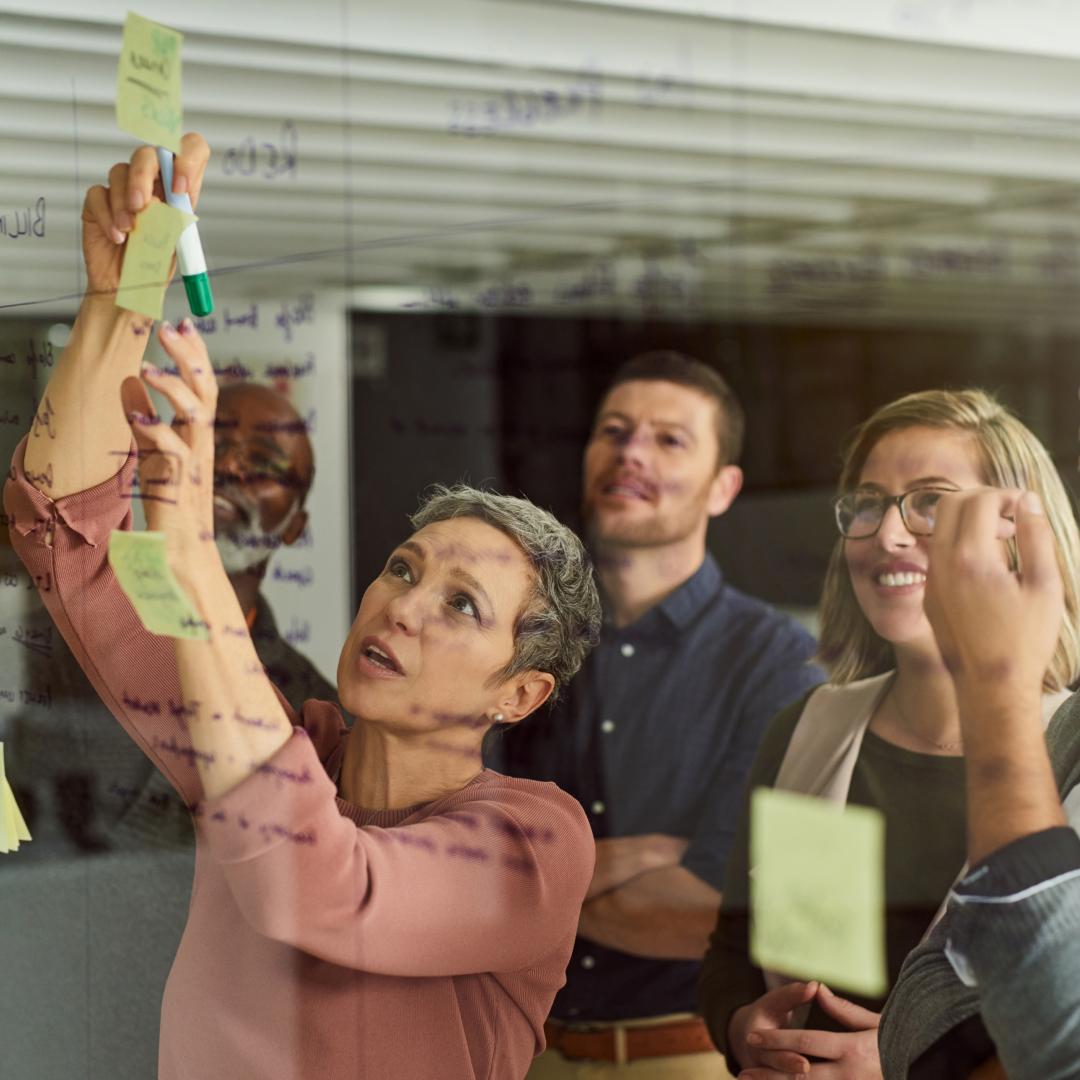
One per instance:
(123, 221)
(138, 200)
(179, 185)
(187, 326)
(1032, 504)
(754, 1039)
(168, 329)
(118, 236)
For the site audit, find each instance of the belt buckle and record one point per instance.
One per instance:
(621, 1057)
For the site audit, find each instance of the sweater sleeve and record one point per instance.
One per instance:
(493, 884)
(64, 546)
(729, 978)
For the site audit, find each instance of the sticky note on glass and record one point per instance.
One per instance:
(817, 890)
(13, 828)
(148, 83)
(148, 258)
(141, 567)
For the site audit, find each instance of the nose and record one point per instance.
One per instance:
(405, 611)
(893, 534)
(227, 460)
(633, 447)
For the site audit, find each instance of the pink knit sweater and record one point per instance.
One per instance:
(323, 940)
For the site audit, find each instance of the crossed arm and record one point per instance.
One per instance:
(643, 902)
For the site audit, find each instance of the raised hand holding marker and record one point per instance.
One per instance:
(149, 106)
(189, 247)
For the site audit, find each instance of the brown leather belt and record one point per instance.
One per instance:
(603, 1044)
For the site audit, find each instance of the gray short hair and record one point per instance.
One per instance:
(561, 621)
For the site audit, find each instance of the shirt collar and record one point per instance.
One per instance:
(681, 607)
(684, 605)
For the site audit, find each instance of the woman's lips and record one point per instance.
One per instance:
(898, 582)
(371, 669)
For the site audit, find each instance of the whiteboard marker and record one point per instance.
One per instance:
(188, 248)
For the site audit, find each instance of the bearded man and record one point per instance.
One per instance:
(657, 733)
(263, 469)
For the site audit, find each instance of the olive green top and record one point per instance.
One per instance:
(922, 799)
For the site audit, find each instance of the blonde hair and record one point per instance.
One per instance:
(1010, 456)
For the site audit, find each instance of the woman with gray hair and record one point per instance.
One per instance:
(368, 901)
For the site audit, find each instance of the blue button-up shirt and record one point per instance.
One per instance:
(657, 734)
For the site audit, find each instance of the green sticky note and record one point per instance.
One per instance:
(148, 83)
(13, 828)
(141, 567)
(148, 257)
(817, 890)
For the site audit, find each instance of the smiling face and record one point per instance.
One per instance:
(650, 469)
(888, 570)
(435, 627)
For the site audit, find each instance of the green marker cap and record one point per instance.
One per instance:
(199, 296)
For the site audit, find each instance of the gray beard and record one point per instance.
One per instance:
(245, 548)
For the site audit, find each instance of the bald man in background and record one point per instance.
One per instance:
(263, 470)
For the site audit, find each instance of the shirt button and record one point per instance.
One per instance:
(627, 649)
(607, 727)
(573, 1012)
(588, 962)
(598, 807)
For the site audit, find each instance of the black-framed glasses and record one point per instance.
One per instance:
(859, 514)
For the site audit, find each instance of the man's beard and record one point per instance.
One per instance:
(660, 530)
(243, 547)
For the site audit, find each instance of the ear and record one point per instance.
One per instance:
(525, 695)
(725, 486)
(295, 528)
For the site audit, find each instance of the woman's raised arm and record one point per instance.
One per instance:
(80, 435)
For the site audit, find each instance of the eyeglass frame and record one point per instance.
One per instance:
(888, 502)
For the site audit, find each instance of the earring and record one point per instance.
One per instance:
(498, 718)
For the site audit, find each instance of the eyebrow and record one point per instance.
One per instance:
(923, 481)
(458, 573)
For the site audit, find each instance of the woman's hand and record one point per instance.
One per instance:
(771, 1012)
(784, 1052)
(109, 212)
(176, 464)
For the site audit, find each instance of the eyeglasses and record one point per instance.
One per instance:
(859, 514)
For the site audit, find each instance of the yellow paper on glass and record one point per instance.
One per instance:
(817, 890)
(141, 567)
(148, 258)
(148, 83)
(13, 828)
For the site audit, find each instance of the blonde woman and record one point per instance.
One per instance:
(885, 731)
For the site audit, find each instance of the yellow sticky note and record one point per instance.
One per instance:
(147, 258)
(12, 826)
(141, 567)
(817, 890)
(148, 83)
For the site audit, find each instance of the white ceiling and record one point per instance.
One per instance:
(902, 161)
